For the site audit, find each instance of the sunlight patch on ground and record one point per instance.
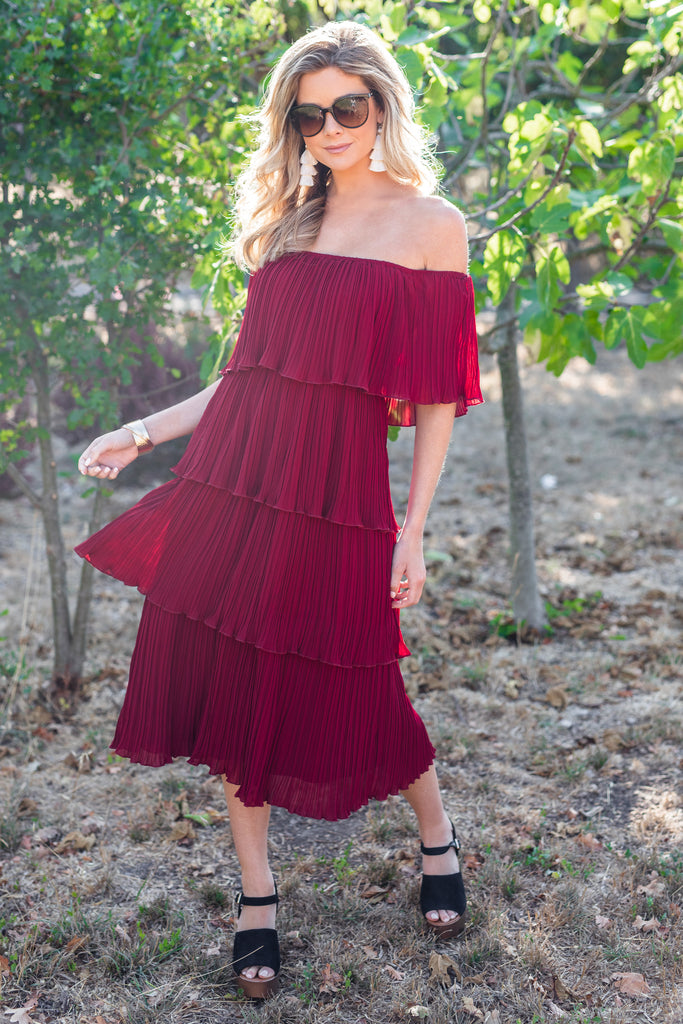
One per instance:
(658, 813)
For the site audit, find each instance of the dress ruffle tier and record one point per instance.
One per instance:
(268, 649)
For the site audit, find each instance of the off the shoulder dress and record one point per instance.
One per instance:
(268, 648)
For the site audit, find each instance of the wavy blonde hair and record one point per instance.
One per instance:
(273, 214)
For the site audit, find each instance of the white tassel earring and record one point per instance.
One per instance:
(309, 167)
(377, 153)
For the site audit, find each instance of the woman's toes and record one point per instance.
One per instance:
(266, 972)
(433, 915)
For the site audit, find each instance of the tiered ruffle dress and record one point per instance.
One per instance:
(268, 648)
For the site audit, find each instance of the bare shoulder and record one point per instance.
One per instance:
(442, 231)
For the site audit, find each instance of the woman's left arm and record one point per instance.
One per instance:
(434, 424)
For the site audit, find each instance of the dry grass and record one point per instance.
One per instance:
(575, 876)
(560, 763)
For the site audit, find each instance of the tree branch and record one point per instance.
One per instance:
(651, 217)
(527, 209)
(24, 486)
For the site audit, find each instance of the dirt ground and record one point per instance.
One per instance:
(560, 761)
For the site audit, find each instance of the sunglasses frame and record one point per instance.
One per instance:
(330, 110)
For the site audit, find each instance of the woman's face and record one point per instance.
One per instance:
(337, 147)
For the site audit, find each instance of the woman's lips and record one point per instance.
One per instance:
(337, 149)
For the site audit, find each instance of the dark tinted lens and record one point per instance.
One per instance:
(351, 111)
(307, 119)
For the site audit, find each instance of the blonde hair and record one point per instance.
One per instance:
(273, 214)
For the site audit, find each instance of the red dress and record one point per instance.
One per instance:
(268, 649)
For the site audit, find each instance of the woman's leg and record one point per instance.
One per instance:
(250, 834)
(435, 830)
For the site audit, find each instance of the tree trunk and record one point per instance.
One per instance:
(84, 601)
(63, 680)
(527, 606)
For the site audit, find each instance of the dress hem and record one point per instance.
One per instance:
(394, 790)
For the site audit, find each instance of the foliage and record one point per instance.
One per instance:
(120, 129)
(559, 123)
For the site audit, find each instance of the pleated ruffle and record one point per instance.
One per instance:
(408, 336)
(268, 648)
(319, 740)
(319, 450)
(284, 582)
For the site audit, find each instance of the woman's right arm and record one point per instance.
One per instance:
(107, 455)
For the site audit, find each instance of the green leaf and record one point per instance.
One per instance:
(589, 136)
(202, 818)
(481, 11)
(503, 260)
(551, 219)
(624, 325)
(550, 271)
(673, 233)
(652, 163)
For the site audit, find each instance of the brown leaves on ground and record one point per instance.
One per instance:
(631, 984)
(441, 967)
(21, 1015)
(331, 980)
(75, 842)
(655, 887)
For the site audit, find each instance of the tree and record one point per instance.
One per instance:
(120, 129)
(560, 125)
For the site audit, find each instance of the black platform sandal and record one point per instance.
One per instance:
(256, 947)
(443, 892)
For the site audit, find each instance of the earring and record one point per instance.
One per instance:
(309, 167)
(377, 153)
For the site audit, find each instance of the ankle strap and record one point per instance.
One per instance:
(257, 901)
(436, 851)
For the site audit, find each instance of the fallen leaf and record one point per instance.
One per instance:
(74, 841)
(26, 808)
(469, 1007)
(213, 950)
(475, 979)
(655, 886)
(47, 835)
(561, 990)
(603, 922)
(76, 943)
(182, 831)
(473, 861)
(510, 689)
(370, 953)
(201, 818)
(331, 980)
(417, 1011)
(588, 840)
(492, 1017)
(646, 926)
(4, 965)
(439, 966)
(631, 984)
(296, 940)
(393, 973)
(613, 741)
(557, 697)
(373, 892)
(21, 1014)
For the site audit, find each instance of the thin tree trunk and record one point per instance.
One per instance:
(62, 672)
(526, 601)
(85, 587)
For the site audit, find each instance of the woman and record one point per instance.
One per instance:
(273, 573)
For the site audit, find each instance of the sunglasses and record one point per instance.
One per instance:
(348, 111)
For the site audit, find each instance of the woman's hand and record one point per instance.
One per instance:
(408, 573)
(107, 455)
